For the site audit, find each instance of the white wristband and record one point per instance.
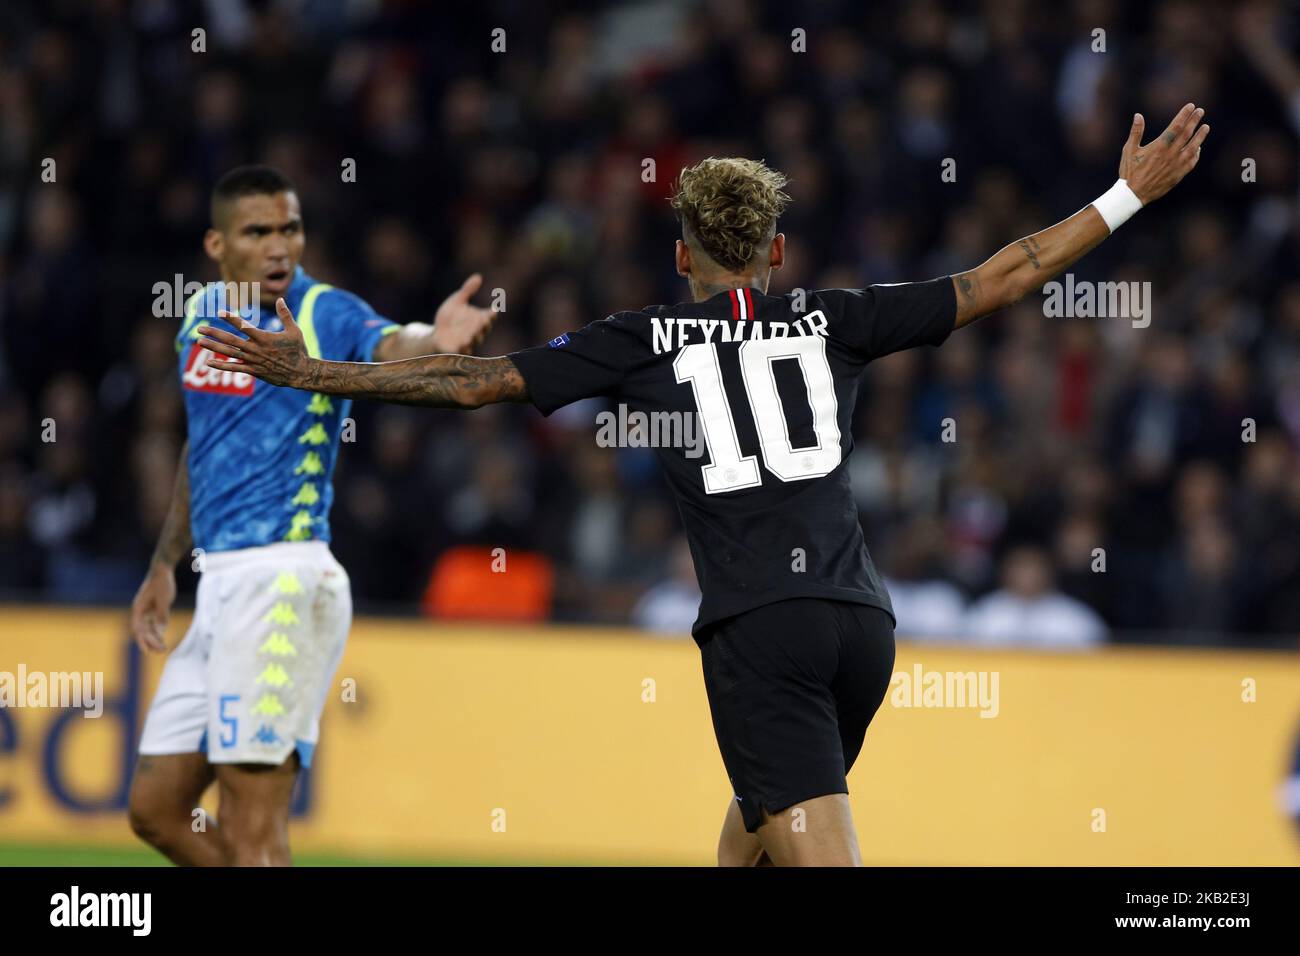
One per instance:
(1117, 204)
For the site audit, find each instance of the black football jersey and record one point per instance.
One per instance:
(768, 394)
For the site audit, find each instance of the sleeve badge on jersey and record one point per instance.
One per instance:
(559, 341)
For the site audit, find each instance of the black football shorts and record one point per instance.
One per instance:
(792, 687)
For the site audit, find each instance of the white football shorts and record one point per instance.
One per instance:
(248, 682)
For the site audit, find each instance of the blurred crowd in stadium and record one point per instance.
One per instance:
(1072, 434)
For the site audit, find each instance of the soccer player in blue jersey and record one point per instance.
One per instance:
(240, 698)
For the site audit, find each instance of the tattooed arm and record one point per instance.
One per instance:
(1026, 265)
(436, 381)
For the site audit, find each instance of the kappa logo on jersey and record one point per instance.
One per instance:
(201, 377)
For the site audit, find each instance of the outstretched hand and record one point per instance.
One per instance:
(459, 326)
(1154, 169)
(279, 358)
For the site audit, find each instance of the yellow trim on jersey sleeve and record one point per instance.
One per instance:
(188, 327)
(306, 318)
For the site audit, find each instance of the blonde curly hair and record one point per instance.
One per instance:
(730, 207)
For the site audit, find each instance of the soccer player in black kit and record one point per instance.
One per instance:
(795, 628)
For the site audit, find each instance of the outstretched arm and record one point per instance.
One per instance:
(1147, 172)
(436, 381)
(459, 326)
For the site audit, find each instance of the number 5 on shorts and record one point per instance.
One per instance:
(231, 722)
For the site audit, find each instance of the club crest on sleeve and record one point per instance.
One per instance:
(559, 341)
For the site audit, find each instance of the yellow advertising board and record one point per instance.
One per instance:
(552, 744)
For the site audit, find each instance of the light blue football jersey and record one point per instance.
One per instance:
(261, 456)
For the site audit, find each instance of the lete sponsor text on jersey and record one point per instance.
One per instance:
(199, 376)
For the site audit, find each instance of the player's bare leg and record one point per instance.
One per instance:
(823, 835)
(736, 847)
(254, 811)
(164, 794)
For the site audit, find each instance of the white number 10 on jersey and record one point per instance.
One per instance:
(731, 471)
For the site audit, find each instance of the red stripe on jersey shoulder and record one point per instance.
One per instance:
(735, 306)
(749, 302)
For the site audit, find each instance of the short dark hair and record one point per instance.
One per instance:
(252, 180)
